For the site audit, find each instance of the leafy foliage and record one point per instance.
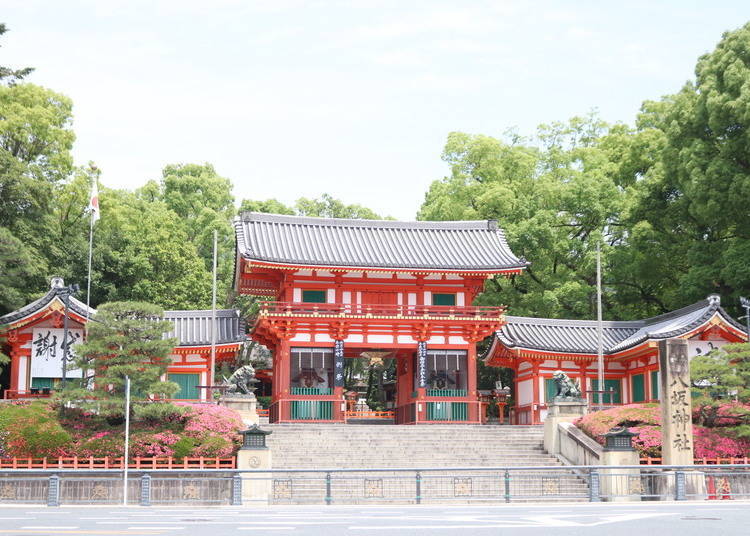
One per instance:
(125, 339)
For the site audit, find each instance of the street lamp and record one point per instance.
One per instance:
(66, 293)
(746, 304)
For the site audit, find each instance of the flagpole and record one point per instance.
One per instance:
(599, 328)
(88, 284)
(213, 323)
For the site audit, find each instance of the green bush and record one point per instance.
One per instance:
(264, 401)
(32, 430)
(184, 447)
(158, 413)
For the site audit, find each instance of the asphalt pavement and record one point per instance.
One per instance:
(714, 518)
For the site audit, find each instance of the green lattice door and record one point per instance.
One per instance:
(609, 398)
(188, 385)
(639, 387)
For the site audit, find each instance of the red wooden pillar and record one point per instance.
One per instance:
(582, 381)
(471, 382)
(535, 410)
(282, 379)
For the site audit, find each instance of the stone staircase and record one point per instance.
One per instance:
(353, 447)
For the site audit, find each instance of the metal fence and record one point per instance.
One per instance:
(379, 486)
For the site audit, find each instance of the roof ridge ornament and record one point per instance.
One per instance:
(714, 300)
(56, 282)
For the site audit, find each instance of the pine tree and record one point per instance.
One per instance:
(124, 339)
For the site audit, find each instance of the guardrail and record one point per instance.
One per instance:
(393, 485)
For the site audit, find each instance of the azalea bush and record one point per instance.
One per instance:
(157, 430)
(722, 440)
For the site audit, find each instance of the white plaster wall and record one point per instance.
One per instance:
(402, 275)
(569, 364)
(301, 337)
(460, 300)
(615, 365)
(323, 337)
(400, 298)
(427, 297)
(549, 363)
(204, 381)
(433, 276)
(324, 273)
(356, 337)
(297, 295)
(23, 365)
(436, 340)
(524, 365)
(406, 339)
(353, 274)
(346, 296)
(195, 358)
(331, 295)
(412, 299)
(454, 277)
(379, 275)
(453, 339)
(525, 395)
(380, 338)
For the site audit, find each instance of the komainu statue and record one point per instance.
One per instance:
(566, 388)
(242, 381)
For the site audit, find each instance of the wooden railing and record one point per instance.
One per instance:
(262, 412)
(370, 414)
(453, 312)
(13, 394)
(701, 461)
(117, 463)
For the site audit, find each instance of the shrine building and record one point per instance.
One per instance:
(34, 337)
(536, 347)
(339, 289)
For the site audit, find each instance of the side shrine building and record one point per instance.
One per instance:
(34, 341)
(340, 289)
(537, 347)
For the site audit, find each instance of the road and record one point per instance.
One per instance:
(662, 519)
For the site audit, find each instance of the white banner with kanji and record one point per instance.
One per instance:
(47, 348)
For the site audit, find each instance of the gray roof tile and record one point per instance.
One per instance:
(466, 245)
(580, 336)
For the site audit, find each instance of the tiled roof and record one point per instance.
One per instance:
(193, 328)
(57, 290)
(464, 245)
(580, 336)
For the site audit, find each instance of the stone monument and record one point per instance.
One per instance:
(676, 419)
(566, 406)
(676, 409)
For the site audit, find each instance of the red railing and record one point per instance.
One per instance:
(370, 414)
(453, 312)
(701, 461)
(13, 394)
(117, 463)
(262, 412)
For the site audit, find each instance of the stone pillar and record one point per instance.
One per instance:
(618, 484)
(256, 487)
(676, 421)
(560, 411)
(245, 405)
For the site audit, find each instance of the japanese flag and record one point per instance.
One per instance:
(94, 201)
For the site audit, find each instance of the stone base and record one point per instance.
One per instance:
(616, 484)
(256, 487)
(246, 406)
(560, 411)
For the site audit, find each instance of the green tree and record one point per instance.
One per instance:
(692, 201)
(555, 196)
(9, 75)
(269, 206)
(328, 207)
(124, 339)
(720, 378)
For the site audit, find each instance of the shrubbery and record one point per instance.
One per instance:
(157, 430)
(721, 441)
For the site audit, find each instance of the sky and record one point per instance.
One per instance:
(293, 98)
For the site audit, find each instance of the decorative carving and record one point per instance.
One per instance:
(99, 492)
(635, 485)
(462, 487)
(282, 489)
(254, 462)
(7, 491)
(550, 486)
(242, 381)
(191, 491)
(374, 487)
